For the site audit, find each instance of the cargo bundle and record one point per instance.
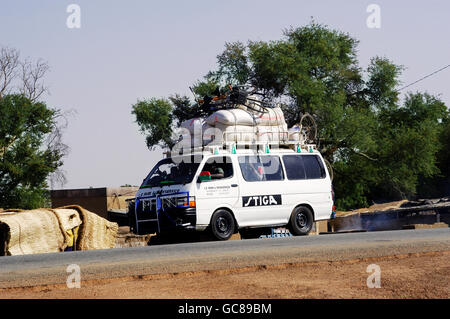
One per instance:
(241, 117)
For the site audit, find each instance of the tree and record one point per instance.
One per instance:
(154, 117)
(408, 143)
(443, 158)
(26, 161)
(443, 162)
(233, 66)
(31, 147)
(378, 148)
(438, 185)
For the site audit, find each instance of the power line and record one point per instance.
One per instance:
(424, 77)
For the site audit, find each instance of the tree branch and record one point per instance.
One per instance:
(9, 61)
(364, 155)
(32, 86)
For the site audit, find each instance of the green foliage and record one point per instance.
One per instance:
(443, 157)
(28, 197)
(438, 185)
(154, 117)
(408, 143)
(233, 66)
(206, 88)
(183, 109)
(382, 83)
(26, 160)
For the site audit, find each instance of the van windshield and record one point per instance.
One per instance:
(170, 172)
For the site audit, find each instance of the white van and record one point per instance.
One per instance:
(225, 191)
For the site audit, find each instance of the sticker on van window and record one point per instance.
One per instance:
(261, 200)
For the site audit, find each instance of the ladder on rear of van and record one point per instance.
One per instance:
(152, 207)
(140, 205)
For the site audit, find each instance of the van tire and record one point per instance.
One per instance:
(222, 225)
(301, 221)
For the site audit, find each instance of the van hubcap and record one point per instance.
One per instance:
(301, 220)
(222, 224)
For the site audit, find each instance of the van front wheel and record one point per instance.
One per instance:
(301, 221)
(222, 225)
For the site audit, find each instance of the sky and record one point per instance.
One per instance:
(130, 50)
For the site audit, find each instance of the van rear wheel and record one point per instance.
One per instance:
(301, 221)
(222, 225)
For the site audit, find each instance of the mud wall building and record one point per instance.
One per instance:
(97, 200)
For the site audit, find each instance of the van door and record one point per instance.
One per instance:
(221, 190)
(261, 190)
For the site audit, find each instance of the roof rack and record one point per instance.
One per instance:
(232, 145)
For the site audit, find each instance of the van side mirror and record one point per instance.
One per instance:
(204, 176)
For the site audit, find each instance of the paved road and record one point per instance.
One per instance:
(45, 269)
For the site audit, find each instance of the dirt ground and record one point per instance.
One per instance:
(424, 275)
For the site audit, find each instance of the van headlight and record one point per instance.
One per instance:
(187, 201)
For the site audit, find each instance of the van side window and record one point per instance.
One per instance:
(261, 168)
(219, 167)
(313, 167)
(304, 167)
(294, 167)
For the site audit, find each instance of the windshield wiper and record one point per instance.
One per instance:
(147, 186)
(167, 182)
